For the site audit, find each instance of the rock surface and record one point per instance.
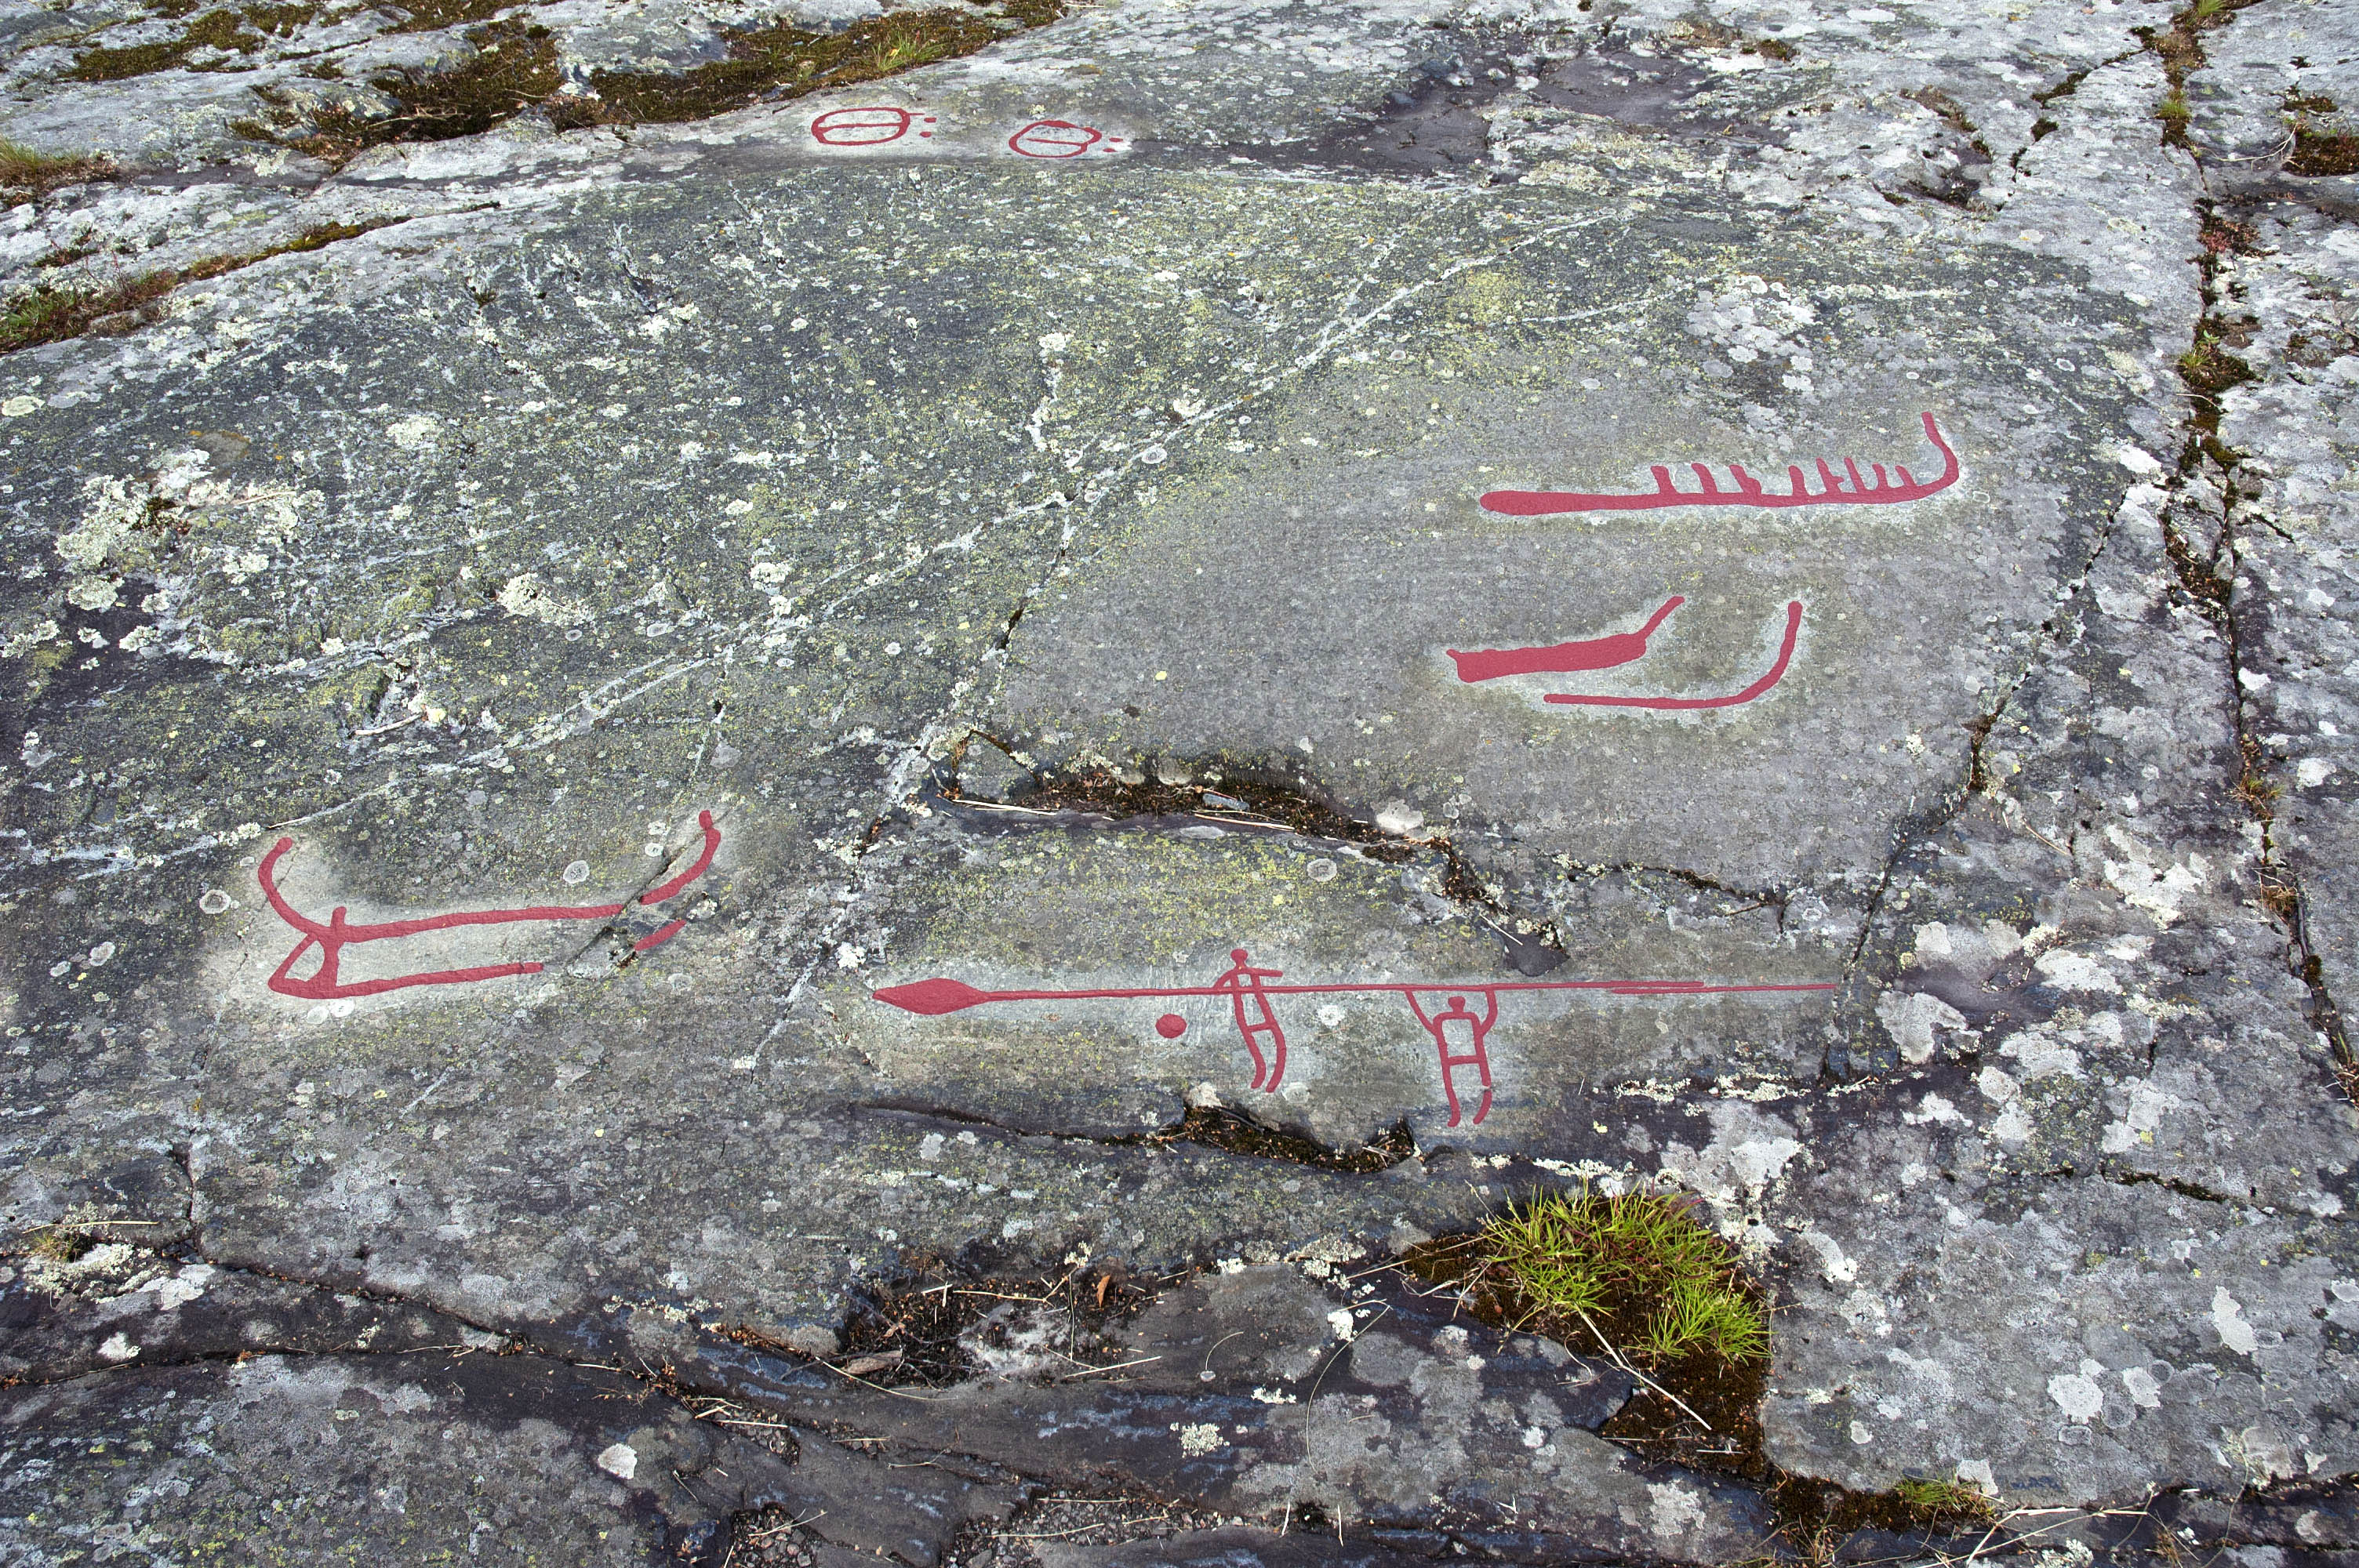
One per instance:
(769, 812)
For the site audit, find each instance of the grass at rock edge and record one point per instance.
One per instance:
(784, 61)
(1639, 1261)
(514, 70)
(47, 315)
(229, 31)
(1641, 1279)
(25, 173)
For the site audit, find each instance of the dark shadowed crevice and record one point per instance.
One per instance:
(920, 1328)
(1241, 798)
(1739, 900)
(2180, 48)
(1213, 1127)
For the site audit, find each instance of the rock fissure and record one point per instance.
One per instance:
(1213, 1127)
(2209, 574)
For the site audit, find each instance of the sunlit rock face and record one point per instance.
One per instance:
(830, 784)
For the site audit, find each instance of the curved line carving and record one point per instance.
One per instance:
(1688, 704)
(335, 934)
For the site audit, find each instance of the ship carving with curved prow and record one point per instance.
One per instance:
(1850, 488)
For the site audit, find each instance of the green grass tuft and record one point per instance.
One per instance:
(2209, 369)
(31, 173)
(1944, 1502)
(1640, 1267)
(60, 1245)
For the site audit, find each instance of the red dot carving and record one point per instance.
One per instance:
(1244, 983)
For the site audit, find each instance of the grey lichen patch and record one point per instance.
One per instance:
(149, 541)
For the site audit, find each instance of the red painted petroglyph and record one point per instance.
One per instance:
(1242, 982)
(869, 125)
(1688, 704)
(1597, 654)
(1883, 491)
(332, 936)
(1476, 1055)
(1060, 138)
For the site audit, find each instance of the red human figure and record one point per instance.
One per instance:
(1241, 982)
(1476, 1055)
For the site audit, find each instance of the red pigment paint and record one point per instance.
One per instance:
(1596, 653)
(1477, 1053)
(868, 126)
(1885, 491)
(932, 998)
(657, 937)
(1241, 981)
(336, 934)
(1055, 138)
(1688, 704)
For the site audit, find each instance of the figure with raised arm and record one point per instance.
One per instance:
(1476, 1055)
(1242, 981)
